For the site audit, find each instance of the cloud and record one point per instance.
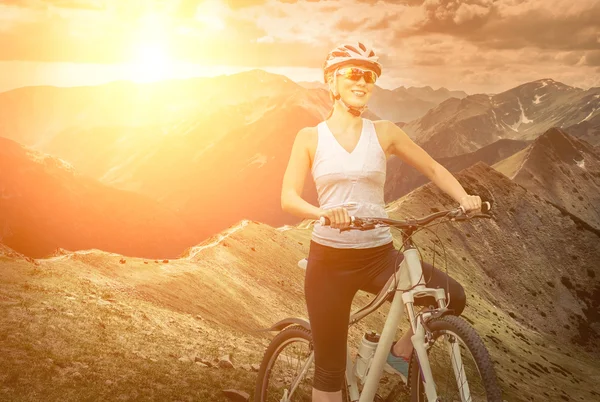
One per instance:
(398, 2)
(50, 39)
(78, 4)
(429, 60)
(512, 24)
(418, 41)
(570, 58)
(592, 58)
(347, 24)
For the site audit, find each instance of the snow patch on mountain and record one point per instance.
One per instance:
(524, 119)
(538, 98)
(581, 163)
(496, 120)
(588, 116)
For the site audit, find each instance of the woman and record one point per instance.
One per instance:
(347, 157)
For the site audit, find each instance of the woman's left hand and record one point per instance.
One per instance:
(470, 203)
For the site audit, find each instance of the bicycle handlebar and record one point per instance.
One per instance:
(368, 223)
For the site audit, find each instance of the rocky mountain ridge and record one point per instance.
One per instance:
(561, 169)
(523, 113)
(402, 178)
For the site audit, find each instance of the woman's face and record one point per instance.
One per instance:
(355, 84)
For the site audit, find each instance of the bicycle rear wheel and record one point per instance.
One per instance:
(456, 342)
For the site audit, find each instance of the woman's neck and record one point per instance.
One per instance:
(344, 120)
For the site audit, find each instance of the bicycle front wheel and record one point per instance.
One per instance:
(287, 370)
(460, 364)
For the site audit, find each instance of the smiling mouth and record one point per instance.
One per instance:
(359, 93)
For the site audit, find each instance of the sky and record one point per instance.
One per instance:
(479, 46)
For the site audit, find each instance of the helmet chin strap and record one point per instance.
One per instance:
(354, 111)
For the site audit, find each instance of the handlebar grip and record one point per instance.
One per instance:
(325, 221)
(486, 207)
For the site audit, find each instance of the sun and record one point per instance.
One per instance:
(151, 61)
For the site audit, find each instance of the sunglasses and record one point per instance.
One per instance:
(355, 73)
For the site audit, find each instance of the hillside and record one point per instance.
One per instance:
(90, 324)
(562, 169)
(101, 326)
(46, 204)
(533, 273)
(402, 178)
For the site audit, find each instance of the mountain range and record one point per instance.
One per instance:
(459, 126)
(212, 151)
(159, 246)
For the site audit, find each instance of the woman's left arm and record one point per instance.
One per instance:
(406, 149)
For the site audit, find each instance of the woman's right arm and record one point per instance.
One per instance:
(293, 179)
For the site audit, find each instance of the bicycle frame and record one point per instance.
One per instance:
(408, 276)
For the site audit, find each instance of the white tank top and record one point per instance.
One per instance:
(354, 180)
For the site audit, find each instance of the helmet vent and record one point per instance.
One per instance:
(352, 48)
(340, 54)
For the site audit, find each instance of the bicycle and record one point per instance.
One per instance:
(473, 377)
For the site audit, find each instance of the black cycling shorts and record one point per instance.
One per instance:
(333, 276)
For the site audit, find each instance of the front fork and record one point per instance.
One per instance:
(419, 342)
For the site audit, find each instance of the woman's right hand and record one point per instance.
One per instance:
(338, 217)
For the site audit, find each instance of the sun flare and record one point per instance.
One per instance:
(151, 61)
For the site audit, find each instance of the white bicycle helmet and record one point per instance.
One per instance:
(351, 53)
